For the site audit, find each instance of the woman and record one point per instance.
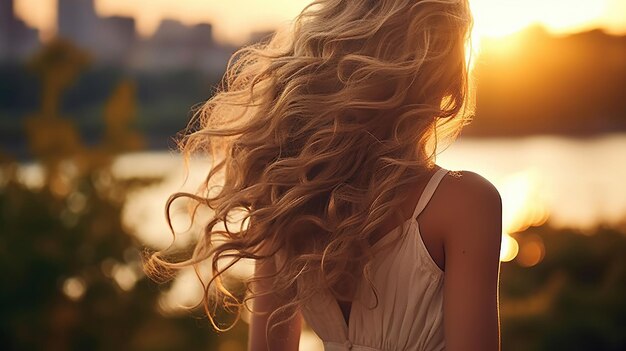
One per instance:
(325, 136)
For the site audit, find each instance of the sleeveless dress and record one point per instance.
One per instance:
(409, 314)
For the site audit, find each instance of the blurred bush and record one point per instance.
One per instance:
(71, 273)
(574, 299)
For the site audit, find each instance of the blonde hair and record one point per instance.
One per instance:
(317, 133)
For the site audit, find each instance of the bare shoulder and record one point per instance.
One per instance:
(472, 234)
(471, 184)
(471, 201)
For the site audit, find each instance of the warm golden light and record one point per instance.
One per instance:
(523, 201)
(124, 276)
(532, 250)
(234, 20)
(509, 248)
(74, 288)
(185, 292)
(498, 18)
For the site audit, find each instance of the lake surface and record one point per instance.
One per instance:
(576, 183)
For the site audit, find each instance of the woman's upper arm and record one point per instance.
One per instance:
(285, 337)
(472, 265)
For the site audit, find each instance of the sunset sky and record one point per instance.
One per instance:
(233, 20)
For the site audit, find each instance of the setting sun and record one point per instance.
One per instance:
(496, 19)
(499, 18)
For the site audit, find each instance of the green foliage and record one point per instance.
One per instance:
(62, 240)
(573, 299)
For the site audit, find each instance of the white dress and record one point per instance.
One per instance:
(409, 315)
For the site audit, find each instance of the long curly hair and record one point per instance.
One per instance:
(315, 134)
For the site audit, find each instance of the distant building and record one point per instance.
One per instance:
(175, 45)
(77, 21)
(17, 40)
(114, 40)
(117, 39)
(208, 55)
(109, 39)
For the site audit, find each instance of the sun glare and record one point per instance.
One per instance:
(494, 19)
(509, 248)
(499, 18)
(523, 206)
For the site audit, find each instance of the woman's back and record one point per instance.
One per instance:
(409, 284)
(407, 272)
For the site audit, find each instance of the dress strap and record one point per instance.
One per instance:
(429, 190)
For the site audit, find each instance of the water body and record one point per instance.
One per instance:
(575, 183)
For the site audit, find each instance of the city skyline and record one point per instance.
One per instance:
(233, 21)
(114, 40)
